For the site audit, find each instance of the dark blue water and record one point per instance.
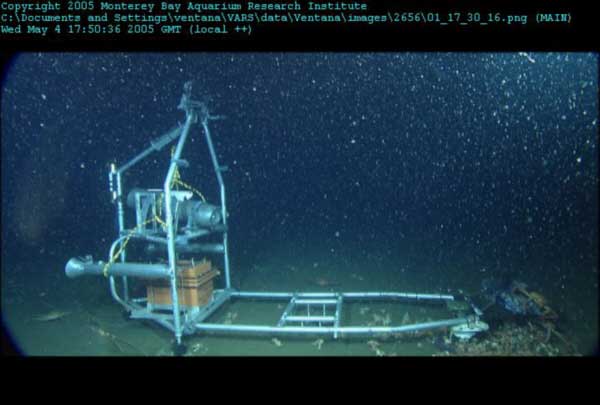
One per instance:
(449, 166)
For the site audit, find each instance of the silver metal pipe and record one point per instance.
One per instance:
(155, 248)
(121, 215)
(213, 154)
(113, 286)
(217, 170)
(267, 295)
(155, 146)
(77, 267)
(345, 295)
(192, 235)
(311, 318)
(116, 193)
(324, 330)
(338, 315)
(191, 117)
(301, 301)
(408, 295)
(155, 239)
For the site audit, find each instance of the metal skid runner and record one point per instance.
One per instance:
(179, 293)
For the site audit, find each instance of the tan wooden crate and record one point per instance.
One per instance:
(194, 286)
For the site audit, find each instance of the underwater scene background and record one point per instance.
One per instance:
(421, 172)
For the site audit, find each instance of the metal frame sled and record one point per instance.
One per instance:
(180, 294)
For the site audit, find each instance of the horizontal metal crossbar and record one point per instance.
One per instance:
(316, 301)
(311, 318)
(315, 314)
(345, 295)
(329, 330)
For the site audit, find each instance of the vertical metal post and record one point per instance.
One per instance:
(191, 116)
(117, 194)
(121, 216)
(217, 169)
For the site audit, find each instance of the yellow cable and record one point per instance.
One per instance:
(175, 181)
(192, 189)
(124, 244)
